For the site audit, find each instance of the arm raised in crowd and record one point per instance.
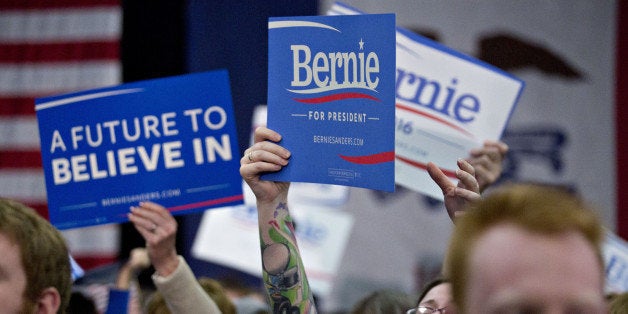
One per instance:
(283, 272)
(173, 277)
(120, 299)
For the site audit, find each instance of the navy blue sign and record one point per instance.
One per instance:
(172, 141)
(331, 95)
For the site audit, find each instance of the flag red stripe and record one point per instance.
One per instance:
(51, 35)
(56, 4)
(12, 106)
(91, 261)
(20, 159)
(40, 208)
(60, 51)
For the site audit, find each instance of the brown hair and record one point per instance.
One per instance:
(215, 290)
(540, 209)
(43, 251)
(429, 286)
(383, 302)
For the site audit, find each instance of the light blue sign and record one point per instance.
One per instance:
(331, 95)
(172, 141)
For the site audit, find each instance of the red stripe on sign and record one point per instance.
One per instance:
(56, 4)
(22, 106)
(20, 159)
(435, 118)
(223, 200)
(335, 97)
(60, 51)
(370, 159)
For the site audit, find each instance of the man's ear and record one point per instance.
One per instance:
(49, 301)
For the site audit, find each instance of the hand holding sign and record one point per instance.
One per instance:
(265, 156)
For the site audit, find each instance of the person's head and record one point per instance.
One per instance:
(157, 303)
(246, 298)
(435, 298)
(527, 248)
(383, 302)
(35, 268)
(215, 291)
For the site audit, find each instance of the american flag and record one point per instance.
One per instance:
(47, 48)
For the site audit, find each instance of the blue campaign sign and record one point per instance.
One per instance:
(172, 141)
(331, 95)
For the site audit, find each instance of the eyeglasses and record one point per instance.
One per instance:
(421, 309)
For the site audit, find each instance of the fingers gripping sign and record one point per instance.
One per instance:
(264, 156)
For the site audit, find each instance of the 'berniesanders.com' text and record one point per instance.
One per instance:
(128, 199)
(338, 140)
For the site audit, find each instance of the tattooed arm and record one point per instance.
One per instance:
(283, 272)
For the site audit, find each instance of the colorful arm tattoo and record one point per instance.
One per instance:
(283, 272)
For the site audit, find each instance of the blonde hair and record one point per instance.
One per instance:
(157, 303)
(540, 209)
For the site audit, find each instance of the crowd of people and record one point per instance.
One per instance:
(522, 248)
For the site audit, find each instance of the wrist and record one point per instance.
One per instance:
(273, 202)
(267, 209)
(167, 265)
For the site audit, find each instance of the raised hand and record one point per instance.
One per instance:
(265, 156)
(282, 266)
(457, 197)
(159, 228)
